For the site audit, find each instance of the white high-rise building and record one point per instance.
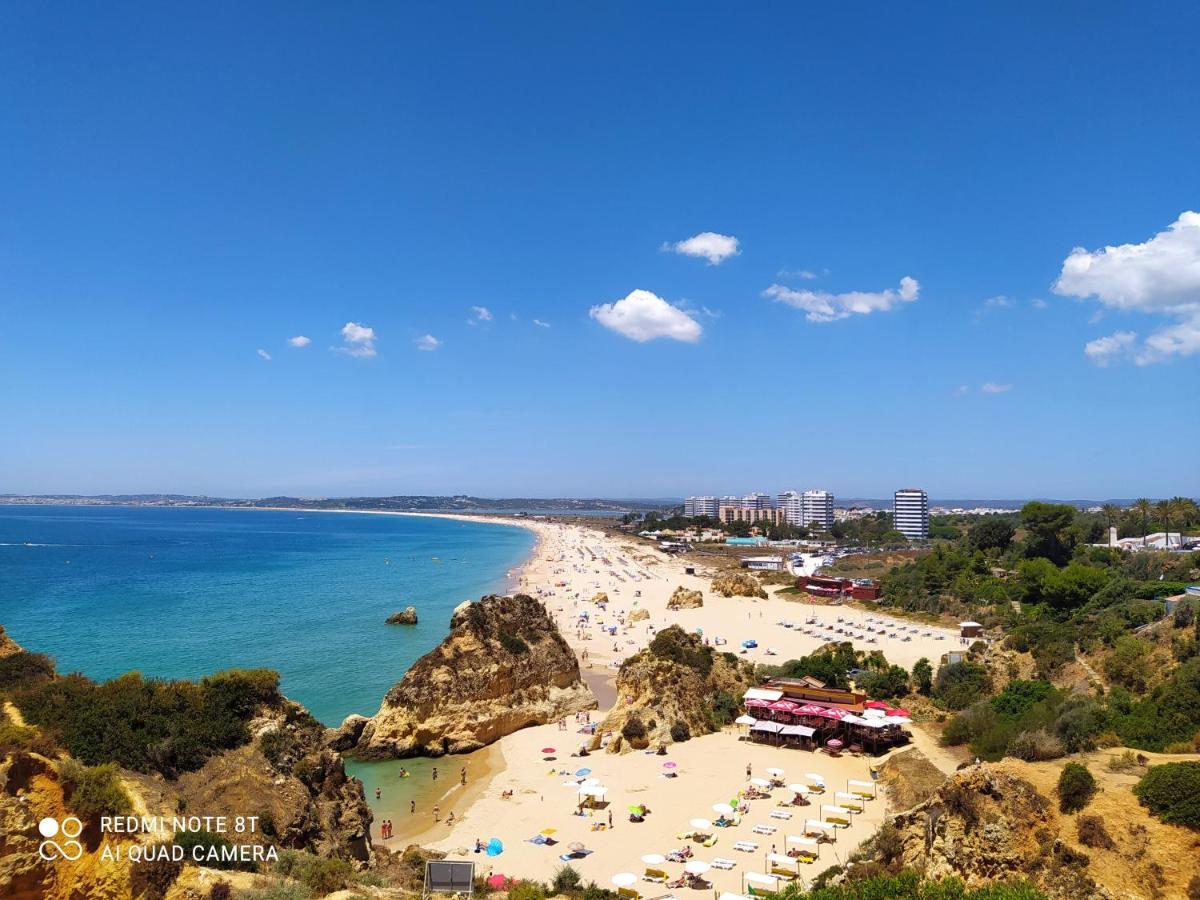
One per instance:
(817, 509)
(757, 500)
(700, 506)
(910, 513)
(792, 504)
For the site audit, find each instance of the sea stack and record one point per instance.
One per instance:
(503, 666)
(407, 616)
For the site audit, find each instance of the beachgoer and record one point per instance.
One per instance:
(435, 773)
(437, 813)
(748, 771)
(610, 818)
(412, 807)
(378, 793)
(463, 774)
(450, 820)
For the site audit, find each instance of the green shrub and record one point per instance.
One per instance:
(145, 724)
(220, 891)
(22, 669)
(527, 890)
(566, 880)
(513, 643)
(1036, 746)
(633, 729)
(685, 649)
(1171, 792)
(680, 732)
(1076, 786)
(93, 791)
(958, 685)
(24, 739)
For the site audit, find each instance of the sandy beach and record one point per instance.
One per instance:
(569, 565)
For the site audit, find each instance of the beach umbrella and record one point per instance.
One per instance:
(778, 773)
(813, 776)
(700, 824)
(589, 782)
(654, 859)
(549, 750)
(496, 881)
(636, 809)
(696, 866)
(760, 782)
(624, 879)
(582, 772)
(495, 847)
(548, 831)
(669, 765)
(798, 788)
(835, 743)
(723, 808)
(575, 847)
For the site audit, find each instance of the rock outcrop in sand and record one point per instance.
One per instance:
(600, 597)
(504, 666)
(407, 616)
(682, 598)
(639, 615)
(674, 690)
(738, 584)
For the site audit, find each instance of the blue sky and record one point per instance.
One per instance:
(183, 187)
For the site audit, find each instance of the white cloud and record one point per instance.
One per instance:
(359, 340)
(299, 341)
(427, 342)
(961, 391)
(998, 302)
(1160, 276)
(991, 387)
(480, 314)
(643, 316)
(822, 306)
(1038, 303)
(804, 274)
(1105, 350)
(263, 353)
(716, 248)
(540, 324)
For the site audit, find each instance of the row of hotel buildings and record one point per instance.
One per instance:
(811, 509)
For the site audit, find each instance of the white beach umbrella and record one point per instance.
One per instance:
(778, 773)
(654, 859)
(700, 824)
(813, 776)
(799, 788)
(696, 866)
(589, 782)
(624, 879)
(723, 809)
(760, 782)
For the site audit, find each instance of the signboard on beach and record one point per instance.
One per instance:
(449, 877)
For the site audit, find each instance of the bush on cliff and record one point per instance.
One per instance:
(93, 791)
(1076, 786)
(678, 646)
(23, 668)
(1172, 792)
(149, 725)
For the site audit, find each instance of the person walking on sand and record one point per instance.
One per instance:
(463, 775)
(412, 807)
(435, 773)
(437, 813)
(610, 818)
(378, 793)
(749, 771)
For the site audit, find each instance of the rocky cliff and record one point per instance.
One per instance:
(673, 690)
(682, 598)
(7, 645)
(503, 666)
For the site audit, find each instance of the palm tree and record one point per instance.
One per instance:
(1186, 513)
(1163, 510)
(1142, 506)
(1111, 513)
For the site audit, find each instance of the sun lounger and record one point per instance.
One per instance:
(658, 876)
(835, 815)
(721, 862)
(780, 814)
(821, 829)
(711, 842)
(849, 801)
(864, 789)
(764, 829)
(746, 846)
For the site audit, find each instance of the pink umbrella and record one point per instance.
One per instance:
(548, 750)
(668, 765)
(835, 743)
(756, 703)
(496, 881)
(784, 706)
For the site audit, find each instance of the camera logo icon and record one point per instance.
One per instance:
(70, 849)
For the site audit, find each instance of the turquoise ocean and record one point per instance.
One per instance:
(182, 592)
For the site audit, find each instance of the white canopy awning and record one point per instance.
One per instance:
(745, 720)
(802, 730)
(760, 878)
(781, 859)
(770, 727)
(762, 694)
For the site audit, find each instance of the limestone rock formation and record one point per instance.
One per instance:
(738, 584)
(600, 597)
(682, 598)
(639, 615)
(407, 616)
(7, 645)
(673, 690)
(504, 666)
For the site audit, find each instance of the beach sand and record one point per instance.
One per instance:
(569, 565)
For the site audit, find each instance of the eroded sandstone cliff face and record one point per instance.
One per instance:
(7, 645)
(738, 584)
(504, 666)
(673, 690)
(682, 598)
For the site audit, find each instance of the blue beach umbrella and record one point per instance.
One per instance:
(583, 772)
(494, 847)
